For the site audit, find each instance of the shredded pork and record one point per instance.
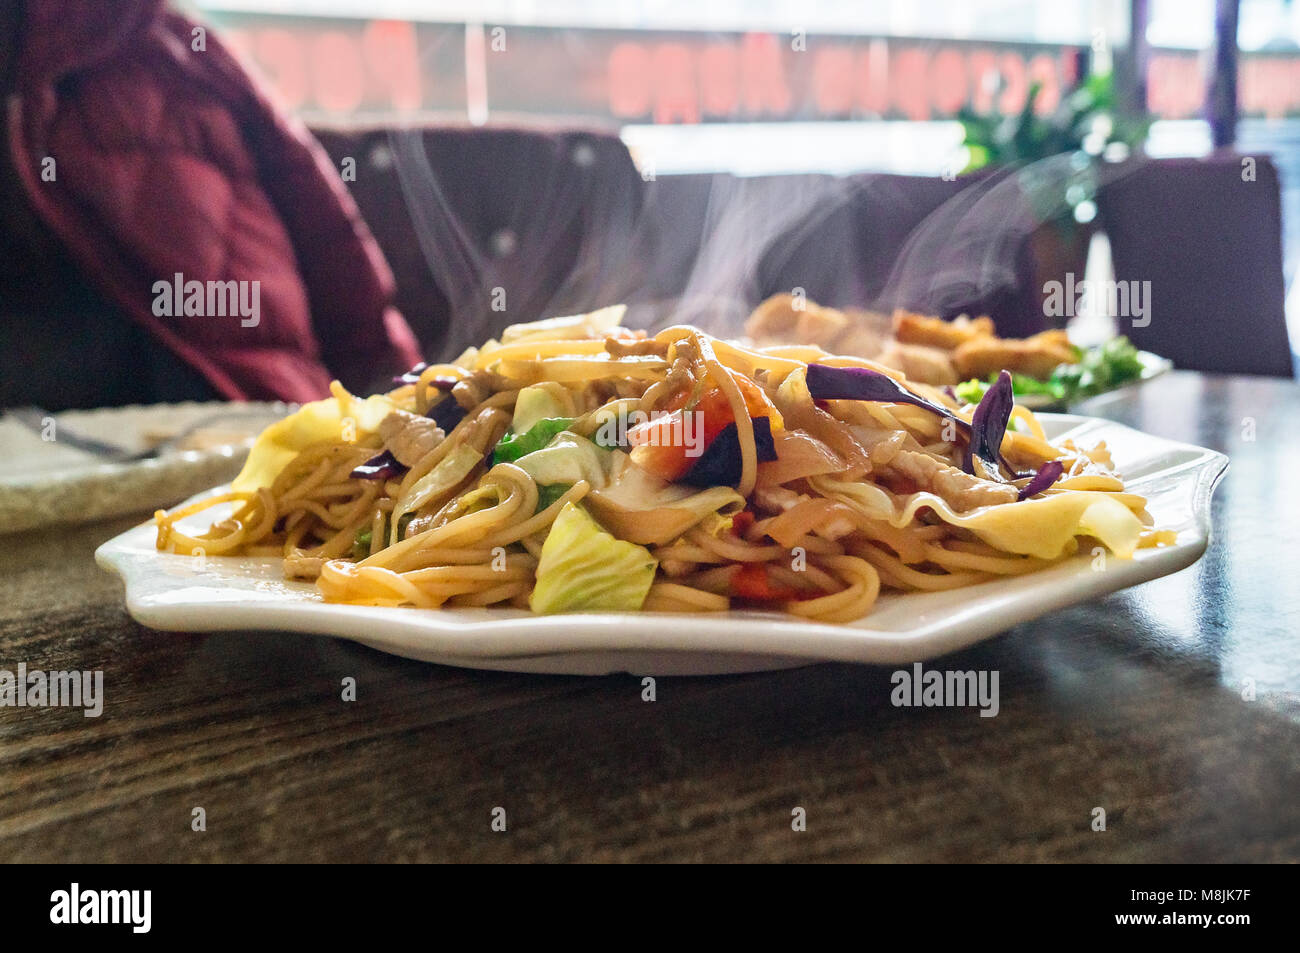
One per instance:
(409, 437)
(959, 489)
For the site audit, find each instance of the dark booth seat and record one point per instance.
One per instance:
(1207, 234)
(545, 217)
(562, 222)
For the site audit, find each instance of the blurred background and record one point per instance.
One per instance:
(515, 160)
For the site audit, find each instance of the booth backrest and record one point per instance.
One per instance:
(1207, 234)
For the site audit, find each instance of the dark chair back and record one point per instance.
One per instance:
(489, 227)
(724, 243)
(1207, 234)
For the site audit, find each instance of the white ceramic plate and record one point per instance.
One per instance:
(166, 591)
(45, 480)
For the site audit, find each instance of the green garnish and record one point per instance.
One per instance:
(546, 495)
(513, 446)
(361, 545)
(1099, 369)
(971, 391)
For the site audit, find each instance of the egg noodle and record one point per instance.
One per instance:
(546, 470)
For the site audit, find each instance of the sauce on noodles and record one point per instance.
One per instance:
(839, 499)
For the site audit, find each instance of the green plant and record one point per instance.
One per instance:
(1086, 128)
(1087, 120)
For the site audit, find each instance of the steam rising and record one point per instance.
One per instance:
(573, 237)
(749, 223)
(564, 220)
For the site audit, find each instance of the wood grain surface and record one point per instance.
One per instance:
(1174, 706)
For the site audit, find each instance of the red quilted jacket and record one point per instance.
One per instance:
(169, 160)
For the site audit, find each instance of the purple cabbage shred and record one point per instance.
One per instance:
(720, 465)
(384, 466)
(1047, 474)
(985, 431)
(989, 426)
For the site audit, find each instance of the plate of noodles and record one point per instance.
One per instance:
(577, 497)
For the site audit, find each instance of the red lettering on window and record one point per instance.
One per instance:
(909, 82)
(948, 91)
(281, 57)
(1042, 69)
(393, 58)
(720, 79)
(1175, 89)
(629, 81)
(336, 71)
(762, 75)
(873, 78)
(674, 78)
(833, 80)
(1015, 87)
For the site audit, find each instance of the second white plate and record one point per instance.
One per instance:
(45, 480)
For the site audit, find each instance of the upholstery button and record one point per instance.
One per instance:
(583, 154)
(381, 157)
(504, 242)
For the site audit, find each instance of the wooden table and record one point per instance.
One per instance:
(1138, 703)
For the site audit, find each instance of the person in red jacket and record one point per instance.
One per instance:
(165, 233)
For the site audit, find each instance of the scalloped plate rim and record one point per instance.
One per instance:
(165, 591)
